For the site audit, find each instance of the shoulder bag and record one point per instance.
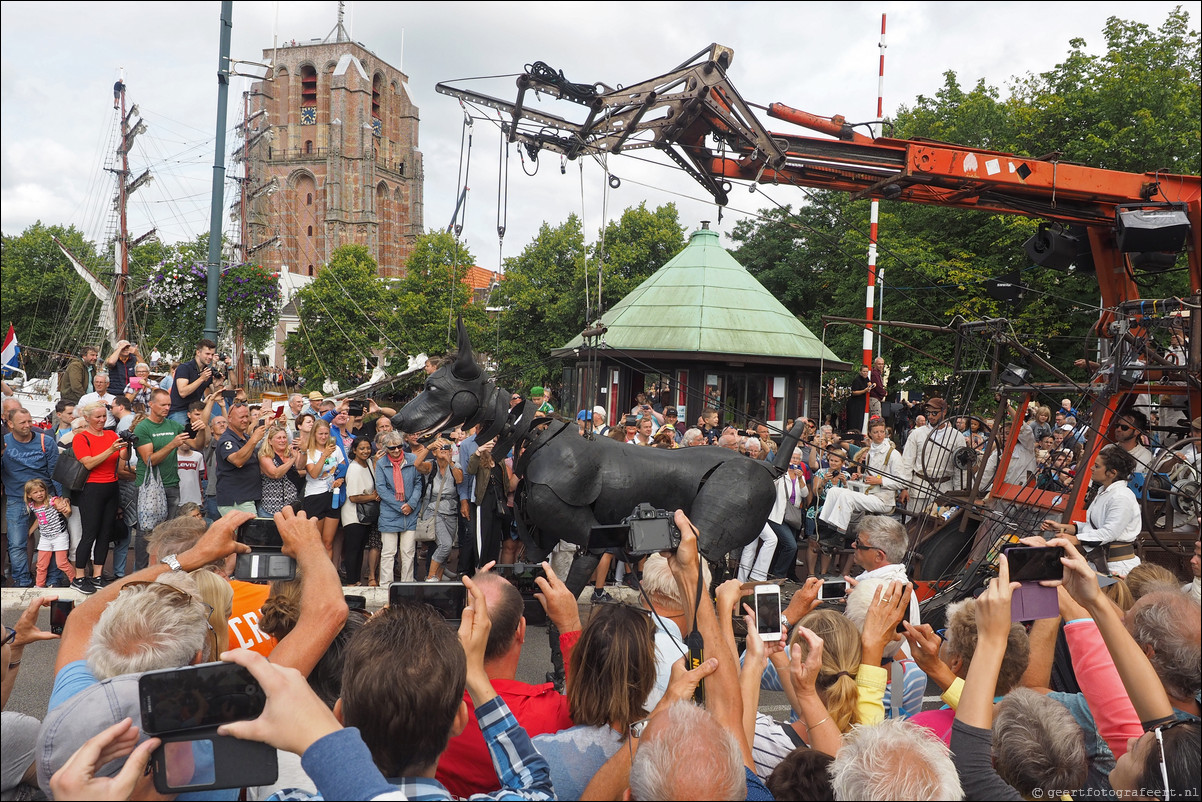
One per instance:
(69, 471)
(152, 501)
(429, 515)
(369, 511)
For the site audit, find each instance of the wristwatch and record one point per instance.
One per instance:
(171, 562)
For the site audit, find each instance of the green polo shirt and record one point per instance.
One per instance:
(159, 435)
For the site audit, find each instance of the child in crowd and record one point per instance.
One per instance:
(50, 515)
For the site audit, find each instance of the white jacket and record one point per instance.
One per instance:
(783, 486)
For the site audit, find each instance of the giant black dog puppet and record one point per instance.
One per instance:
(570, 484)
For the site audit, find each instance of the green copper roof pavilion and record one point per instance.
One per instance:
(704, 305)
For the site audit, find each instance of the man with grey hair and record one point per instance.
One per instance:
(101, 382)
(668, 616)
(692, 437)
(147, 627)
(295, 406)
(1167, 627)
(895, 759)
(880, 549)
(685, 753)
(1037, 744)
(730, 441)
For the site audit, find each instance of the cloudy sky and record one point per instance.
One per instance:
(60, 61)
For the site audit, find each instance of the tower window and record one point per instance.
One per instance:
(310, 231)
(309, 199)
(310, 270)
(308, 102)
(308, 146)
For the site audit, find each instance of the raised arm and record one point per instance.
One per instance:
(722, 698)
(1139, 677)
(323, 608)
(216, 543)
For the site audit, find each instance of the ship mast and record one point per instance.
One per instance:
(131, 127)
(121, 249)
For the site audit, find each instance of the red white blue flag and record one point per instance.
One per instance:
(12, 350)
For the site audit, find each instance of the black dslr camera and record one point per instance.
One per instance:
(645, 531)
(129, 437)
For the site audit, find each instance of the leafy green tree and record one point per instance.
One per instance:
(634, 246)
(543, 292)
(1135, 108)
(49, 306)
(338, 312)
(539, 304)
(432, 294)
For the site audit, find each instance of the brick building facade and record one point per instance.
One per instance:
(341, 165)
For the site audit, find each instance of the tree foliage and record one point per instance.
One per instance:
(1134, 108)
(543, 293)
(339, 311)
(48, 305)
(432, 294)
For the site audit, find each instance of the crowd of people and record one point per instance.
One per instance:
(1102, 699)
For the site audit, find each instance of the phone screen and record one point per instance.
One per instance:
(260, 533)
(767, 611)
(59, 610)
(522, 575)
(189, 764)
(198, 696)
(1032, 564)
(355, 602)
(204, 761)
(832, 589)
(448, 598)
(264, 566)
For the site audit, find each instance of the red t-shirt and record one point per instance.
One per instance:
(87, 443)
(465, 768)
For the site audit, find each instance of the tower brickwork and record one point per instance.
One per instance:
(341, 164)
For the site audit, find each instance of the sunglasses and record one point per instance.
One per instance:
(10, 635)
(444, 448)
(862, 547)
(396, 448)
(1122, 427)
(1164, 767)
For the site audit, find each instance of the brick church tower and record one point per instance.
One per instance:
(341, 164)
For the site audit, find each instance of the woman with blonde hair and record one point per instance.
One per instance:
(322, 458)
(278, 460)
(841, 654)
(219, 596)
(99, 450)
